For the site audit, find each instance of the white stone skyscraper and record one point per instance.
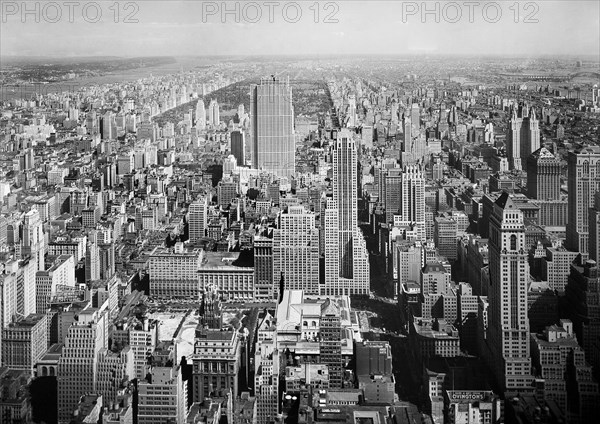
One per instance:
(200, 115)
(78, 364)
(583, 182)
(296, 251)
(522, 136)
(508, 324)
(198, 219)
(412, 207)
(272, 114)
(34, 243)
(346, 256)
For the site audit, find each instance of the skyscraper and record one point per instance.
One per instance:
(200, 115)
(346, 256)
(273, 145)
(392, 182)
(33, 238)
(331, 341)
(413, 198)
(78, 364)
(198, 219)
(296, 251)
(214, 116)
(543, 175)
(522, 137)
(583, 182)
(508, 331)
(238, 146)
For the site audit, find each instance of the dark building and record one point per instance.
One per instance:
(583, 307)
(238, 147)
(331, 342)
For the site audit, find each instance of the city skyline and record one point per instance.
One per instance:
(179, 28)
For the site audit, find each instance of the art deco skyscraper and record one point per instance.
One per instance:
(273, 145)
(346, 256)
(584, 181)
(78, 364)
(522, 136)
(543, 175)
(413, 197)
(296, 251)
(508, 331)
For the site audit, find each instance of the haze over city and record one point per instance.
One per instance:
(311, 212)
(155, 28)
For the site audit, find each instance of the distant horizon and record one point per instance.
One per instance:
(315, 55)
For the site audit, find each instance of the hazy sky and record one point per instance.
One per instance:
(363, 26)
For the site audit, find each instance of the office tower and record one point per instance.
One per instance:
(556, 266)
(583, 182)
(141, 334)
(345, 198)
(33, 238)
(214, 116)
(78, 364)
(435, 282)
(92, 261)
(24, 342)
(408, 261)
(331, 342)
(351, 112)
(263, 268)
(273, 143)
(200, 115)
(543, 175)
(109, 126)
(216, 363)
(227, 190)
(163, 395)
(26, 288)
(415, 118)
(107, 260)
(394, 112)
(238, 147)
(582, 294)
(550, 354)
(266, 382)
(445, 230)
(198, 219)
(346, 256)
(392, 187)
(115, 368)
(413, 198)
(296, 251)
(229, 165)
(522, 137)
(49, 282)
(508, 332)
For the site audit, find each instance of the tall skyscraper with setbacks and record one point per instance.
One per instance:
(508, 331)
(346, 256)
(296, 251)
(583, 182)
(273, 145)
